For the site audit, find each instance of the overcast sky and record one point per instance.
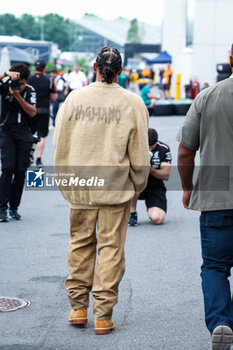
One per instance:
(150, 11)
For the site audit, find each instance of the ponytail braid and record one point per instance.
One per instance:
(109, 63)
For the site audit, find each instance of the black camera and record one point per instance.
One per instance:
(14, 84)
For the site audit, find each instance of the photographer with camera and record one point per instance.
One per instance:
(155, 192)
(18, 106)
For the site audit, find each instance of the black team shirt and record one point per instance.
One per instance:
(14, 121)
(44, 87)
(161, 153)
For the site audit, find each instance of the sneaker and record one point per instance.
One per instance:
(15, 215)
(3, 215)
(78, 316)
(39, 162)
(133, 219)
(104, 326)
(222, 338)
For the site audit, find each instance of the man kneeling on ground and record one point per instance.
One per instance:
(155, 191)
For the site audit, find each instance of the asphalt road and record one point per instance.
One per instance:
(160, 301)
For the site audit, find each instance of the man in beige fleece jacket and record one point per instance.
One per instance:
(101, 130)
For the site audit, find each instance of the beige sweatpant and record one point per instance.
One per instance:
(101, 231)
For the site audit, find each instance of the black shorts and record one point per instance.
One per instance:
(42, 124)
(154, 198)
(166, 87)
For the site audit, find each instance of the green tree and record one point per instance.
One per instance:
(9, 25)
(57, 29)
(133, 32)
(29, 28)
(54, 27)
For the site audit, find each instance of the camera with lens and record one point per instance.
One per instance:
(14, 84)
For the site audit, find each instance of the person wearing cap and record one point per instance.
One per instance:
(117, 120)
(45, 91)
(146, 95)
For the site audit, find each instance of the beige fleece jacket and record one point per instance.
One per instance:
(101, 137)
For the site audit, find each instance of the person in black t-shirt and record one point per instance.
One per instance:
(44, 91)
(155, 191)
(17, 109)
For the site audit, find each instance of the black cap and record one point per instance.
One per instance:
(40, 63)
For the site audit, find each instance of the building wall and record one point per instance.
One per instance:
(212, 38)
(88, 41)
(174, 41)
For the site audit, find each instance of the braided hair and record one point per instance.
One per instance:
(109, 63)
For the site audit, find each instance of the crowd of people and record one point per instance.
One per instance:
(117, 119)
(135, 80)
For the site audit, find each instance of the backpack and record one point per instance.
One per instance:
(61, 95)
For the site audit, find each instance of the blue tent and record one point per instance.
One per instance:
(164, 57)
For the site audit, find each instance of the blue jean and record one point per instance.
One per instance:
(55, 110)
(217, 253)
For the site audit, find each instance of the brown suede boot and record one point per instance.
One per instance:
(78, 316)
(104, 326)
